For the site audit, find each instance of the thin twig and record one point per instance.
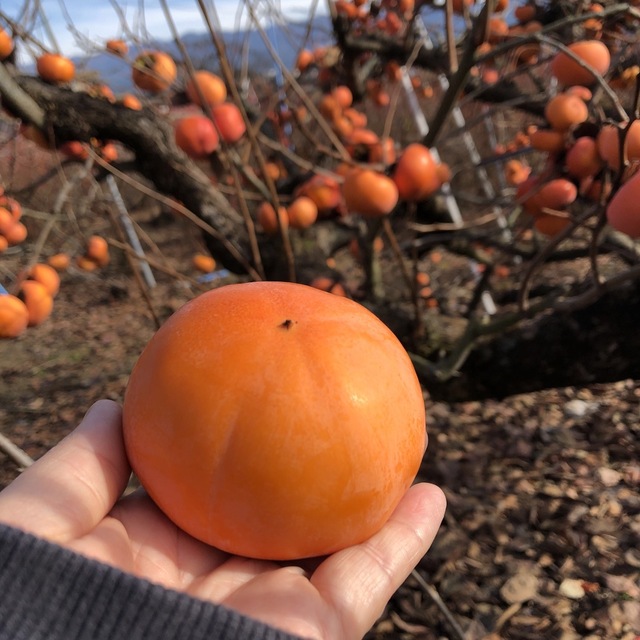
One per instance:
(431, 591)
(13, 451)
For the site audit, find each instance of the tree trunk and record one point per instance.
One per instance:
(598, 344)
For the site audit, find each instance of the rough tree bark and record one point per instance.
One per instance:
(598, 344)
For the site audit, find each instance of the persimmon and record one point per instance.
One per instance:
(47, 276)
(324, 191)
(416, 173)
(569, 72)
(302, 212)
(460, 5)
(582, 159)
(16, 233)
(304, 60)
(6, 44)
(551, 224)
(38, 301)
(565, 110)
(14, 316)
(98, 250)
(196, 136)
(4, 243)
(59, 261)
(557, 194)
(86, 264)
(343, 96)
(301, 450)
(203, 262)
(74, 150)
(525, 13)
(153, 71)
(383, 151)
(131, 102)
(209, 85)
(369, 193)
(229, 122)
(548, 140)
(55, 68)
(608, 143)
(12, 206)
(268, 220)
(330, 285)
(117, 47)
(623, 210)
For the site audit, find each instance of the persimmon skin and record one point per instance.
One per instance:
(276, 421)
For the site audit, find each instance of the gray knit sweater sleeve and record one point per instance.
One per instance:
(50, 593)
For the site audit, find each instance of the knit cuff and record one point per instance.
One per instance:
(48, 592)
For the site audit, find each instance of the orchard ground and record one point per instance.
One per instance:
(542, 530)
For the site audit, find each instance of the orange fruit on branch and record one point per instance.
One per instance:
(38, 301)
(13, 316)
(369, 193)
(153, 71)
(416, 174)
(254, 420)
(570, 72)
(6, 44)
(55, 68)
(197, 136)
(209, 85)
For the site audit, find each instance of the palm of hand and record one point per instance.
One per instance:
(71, 497)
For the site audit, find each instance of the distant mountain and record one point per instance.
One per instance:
(286, 41)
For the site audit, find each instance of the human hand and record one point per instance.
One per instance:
(71, 496)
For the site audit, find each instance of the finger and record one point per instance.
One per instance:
(68, 491)
(359, 581)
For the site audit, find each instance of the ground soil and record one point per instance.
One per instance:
(541, 534)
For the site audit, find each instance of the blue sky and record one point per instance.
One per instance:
(98, 20)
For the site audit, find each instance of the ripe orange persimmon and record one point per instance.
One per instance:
(131, 102)
(14, 316)
(196, 136)
(267, 218)
(324, 191)
(153, 71)
(98, 250)
(6, 44)
(416, 174)
(551, 224)
(203, 262)
(302, 212)
(582, 159)
(229, 122)
(369, 193)
(211, 86)
(328, 284)
(117, 47)
(300, 451)
(4, 243)
(38, 301)
(548, 140)
(15, 233)
(47, 276)
(304, 60)
(608, 142)
(623, 211)
(59, 261)
(55, 68)
(569, 72)
(565, 110)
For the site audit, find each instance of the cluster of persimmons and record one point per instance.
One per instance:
(31, 301)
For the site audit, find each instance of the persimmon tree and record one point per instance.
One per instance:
(503, 137)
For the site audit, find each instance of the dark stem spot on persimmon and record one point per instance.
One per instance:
(287, 324)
